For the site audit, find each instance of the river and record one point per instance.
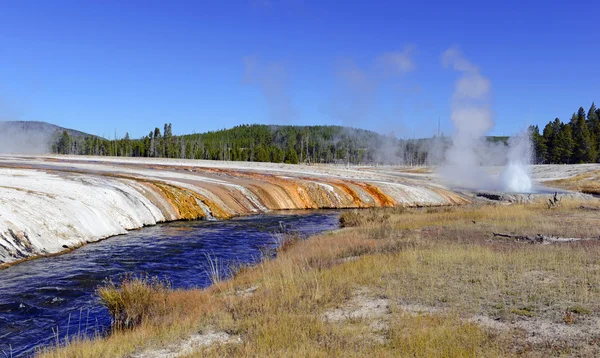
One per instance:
(41, 297)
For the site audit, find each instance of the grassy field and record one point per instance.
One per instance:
(588, 183)
(427, 282)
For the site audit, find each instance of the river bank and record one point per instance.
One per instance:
(52, 204)
(394, 282)
(58, 294)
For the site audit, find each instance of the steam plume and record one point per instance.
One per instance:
(355, 97)
(272, 79)
(25, 138)
(472, 119)
(516, 176)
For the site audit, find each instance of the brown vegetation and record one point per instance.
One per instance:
(135, 300)
(394, 282)
(588, 183)
(418, 170)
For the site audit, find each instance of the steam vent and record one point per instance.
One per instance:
(50, 204)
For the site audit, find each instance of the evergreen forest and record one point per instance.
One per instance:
(573, 142)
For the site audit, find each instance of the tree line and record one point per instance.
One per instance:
(569, 143)
(264, 143)
(577, 141)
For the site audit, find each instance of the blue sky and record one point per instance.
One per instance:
(130, 66)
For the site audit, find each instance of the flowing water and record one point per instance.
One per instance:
(50, 299)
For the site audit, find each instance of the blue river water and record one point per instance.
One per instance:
(50, 299)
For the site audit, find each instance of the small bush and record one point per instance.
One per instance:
(524, 311)
(352, 218)
(287, 241)
(569, 318)
(579, 309)
(136, 299)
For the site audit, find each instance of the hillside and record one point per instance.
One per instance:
(292, 144)
(254, 143)
(29, 137)
(269, 143)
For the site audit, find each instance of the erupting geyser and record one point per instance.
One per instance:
(472, 119)
(515, 179)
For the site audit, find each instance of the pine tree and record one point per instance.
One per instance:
(593, 120)
(277, 155)
(157, 140)
(168, 144)
(539, 144)
(262, 155)
(550, 136)
(64, 143)
(291, 157)
(584, 151)
(564, 145)
(127, 150)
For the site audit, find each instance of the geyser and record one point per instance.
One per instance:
(515, 179)
(472, 119)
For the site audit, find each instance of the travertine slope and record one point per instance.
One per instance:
(48, 204)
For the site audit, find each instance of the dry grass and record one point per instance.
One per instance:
(135, 300)
(441, 260)
(588, 183)
(418, 170)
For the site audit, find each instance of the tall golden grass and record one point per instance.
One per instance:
(444, 260)
(134, 300)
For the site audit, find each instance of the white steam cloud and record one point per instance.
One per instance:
(25, 138)
(516, 176)
(356, 93)
(472, 119)
(272, 79)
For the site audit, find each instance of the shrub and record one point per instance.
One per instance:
(579, 309)
(136, 299)
(352, 218)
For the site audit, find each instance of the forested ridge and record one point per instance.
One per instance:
(264, 143)
(577, 141)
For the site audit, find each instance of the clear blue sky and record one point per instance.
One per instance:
(101, 66)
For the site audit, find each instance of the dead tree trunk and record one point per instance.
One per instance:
(542, 239)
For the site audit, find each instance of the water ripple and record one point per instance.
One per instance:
(47, 295)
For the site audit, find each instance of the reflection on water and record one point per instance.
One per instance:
(42, 297)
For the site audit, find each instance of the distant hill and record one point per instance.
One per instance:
(33, 127)
(251, 142)
(29, 137)
(257, 142)
(268, 143)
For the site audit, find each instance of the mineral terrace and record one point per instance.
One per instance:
(50, 204)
